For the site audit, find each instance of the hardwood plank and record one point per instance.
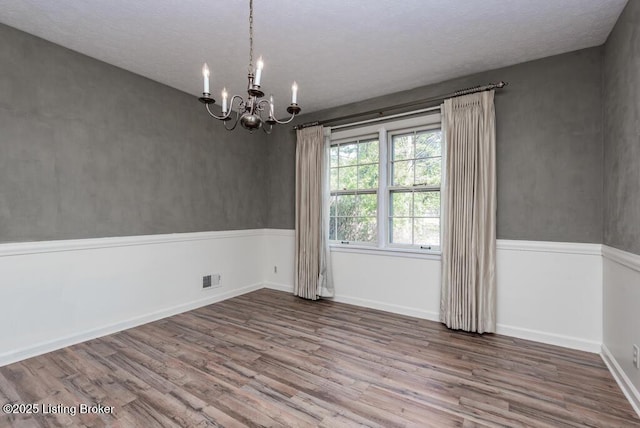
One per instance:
(270, 359)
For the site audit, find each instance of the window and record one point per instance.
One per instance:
(354, 180)
(385, 185)
(414, 188)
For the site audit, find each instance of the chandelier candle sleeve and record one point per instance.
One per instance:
(271, 108)
(205, 74)
(294, 93)
(225, 95)
(259, 72)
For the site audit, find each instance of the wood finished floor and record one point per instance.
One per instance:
(269, 359)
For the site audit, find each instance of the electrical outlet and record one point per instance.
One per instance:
(636, 356)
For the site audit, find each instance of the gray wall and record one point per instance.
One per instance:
(622, 132)
(549, 148)
(91, 150)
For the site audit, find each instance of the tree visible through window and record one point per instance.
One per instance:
(414, 190)
(385, 184)
(354, 191)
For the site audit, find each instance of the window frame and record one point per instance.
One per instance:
(363, 138)
(384, 131)
(390, 188)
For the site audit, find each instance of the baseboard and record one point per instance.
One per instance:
(277, 286)
(44, 347)
(521, 333)
(629, 390)
(388, 307)
(549, 338)
(356, 301)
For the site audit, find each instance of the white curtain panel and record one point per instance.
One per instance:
(312, 276)
(468, 294)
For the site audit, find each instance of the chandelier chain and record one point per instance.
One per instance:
(250, 36)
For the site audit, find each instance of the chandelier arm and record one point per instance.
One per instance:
(226, 116)
(259, 105)
(240, 103)
(235, 122)
(284, 122)
(213, 115)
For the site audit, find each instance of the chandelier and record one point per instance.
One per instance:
(249, 111)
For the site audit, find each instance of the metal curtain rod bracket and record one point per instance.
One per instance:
(380, 112)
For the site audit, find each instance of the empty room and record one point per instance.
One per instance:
(380, 213)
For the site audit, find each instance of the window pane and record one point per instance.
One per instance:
(346, 205)
(428, 144)
(366, 229)
(346, 228)
(368, 205)
(428, 171)
(403, 173)
(348, 154)
(334, 179)
(401, 204)
(427, 231)
(368, 152)
(332, 228)
(334, 156)
(403, 147)
(400, 231)
(356, 229)
(426, 204)
(348, 179)
(332, 206)
(368, 176)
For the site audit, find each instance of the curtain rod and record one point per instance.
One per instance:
(381, 111)
(382, 118)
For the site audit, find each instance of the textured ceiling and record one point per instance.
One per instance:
(339, 51)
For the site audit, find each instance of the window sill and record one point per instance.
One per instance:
(389, 252)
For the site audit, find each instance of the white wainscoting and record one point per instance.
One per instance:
(406, 284)
(622, 319)
(57, 293)
(550, 292)
(278, 262)
(54, 294)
